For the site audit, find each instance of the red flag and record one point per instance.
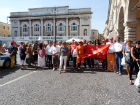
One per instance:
(96, 51)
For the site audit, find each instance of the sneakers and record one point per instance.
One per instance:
(120, 74)
(53, 69)
(117, 72)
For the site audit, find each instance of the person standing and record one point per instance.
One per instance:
(104, 60)
(128, 59)
(74, 54)
(135, 53)
(80, 54)
(111, 56)
(41, 56)
(118, 46)
(49, 55)
(22, 50)
(55, 59)
(12, 53)
(15, 51)
(29, 55)
(97, 60)
(35, 54)
(63, 56)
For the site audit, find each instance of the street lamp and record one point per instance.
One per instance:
(55, 23)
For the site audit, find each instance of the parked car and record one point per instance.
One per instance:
(5, 60)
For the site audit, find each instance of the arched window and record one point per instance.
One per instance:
(60, 27)
(74, 27)
(36, 27)
(48, 27)
(85, 32)
(25, 28)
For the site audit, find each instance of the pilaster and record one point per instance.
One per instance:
(41, 27)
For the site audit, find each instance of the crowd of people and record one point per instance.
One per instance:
(57, 55)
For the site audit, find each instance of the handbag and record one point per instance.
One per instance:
(137, 81)
(123, 63)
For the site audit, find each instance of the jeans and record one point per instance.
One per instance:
(87, 62)
(63, 58)
(74, 62)
(49, 59)
(118, 57)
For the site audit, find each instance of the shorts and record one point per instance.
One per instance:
(80, 59)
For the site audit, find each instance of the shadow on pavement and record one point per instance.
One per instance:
(7, 71)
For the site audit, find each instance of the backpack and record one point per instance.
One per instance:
(11, 49)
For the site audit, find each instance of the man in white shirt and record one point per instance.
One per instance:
(55, 60)
(59, 44)
(49, 55)
(111, 55)
(118, 48)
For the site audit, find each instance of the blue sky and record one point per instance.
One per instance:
(99, 8)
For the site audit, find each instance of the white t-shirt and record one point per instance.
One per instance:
(59, 47)
(48, 50)
(54, 49)
(118, 46)
(74, 54)
(111, 48)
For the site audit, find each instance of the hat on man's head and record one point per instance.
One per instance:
(80, 41)
(12, 43)
(111, 38)
(138, 42)
(103, 40)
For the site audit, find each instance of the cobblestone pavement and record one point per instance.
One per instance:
(47, 87)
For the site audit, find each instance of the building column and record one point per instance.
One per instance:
(80, 26)
(19, 28)
(41, 27)
(67, 26)
(138, 31)
(130, 31)
(54, 27)
(30, 28)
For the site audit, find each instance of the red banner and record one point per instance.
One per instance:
(95, 51)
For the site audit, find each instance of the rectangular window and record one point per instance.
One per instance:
(4, 27)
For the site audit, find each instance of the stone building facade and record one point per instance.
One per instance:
(4, 29)
(45, 23)
(94, 34)
(123, 19)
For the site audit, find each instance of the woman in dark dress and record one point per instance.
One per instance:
(135, 53)
(22, 50)
(35, 53)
